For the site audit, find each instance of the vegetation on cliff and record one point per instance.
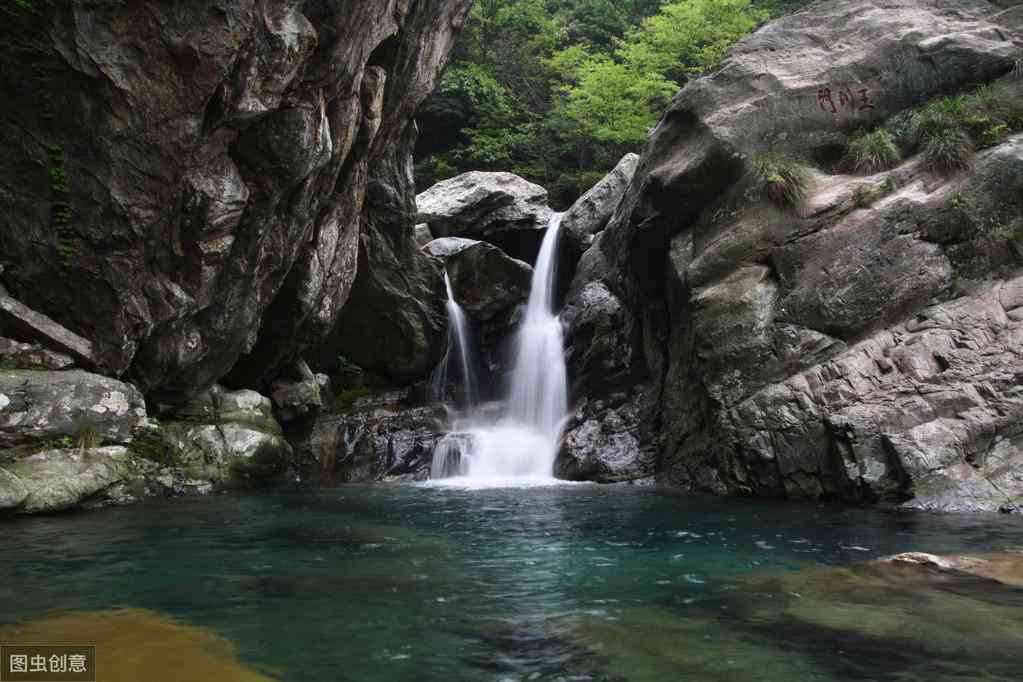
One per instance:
(558, 90)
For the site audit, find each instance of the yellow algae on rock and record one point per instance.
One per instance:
(137, 644)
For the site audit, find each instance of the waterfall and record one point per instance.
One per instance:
(521, 444)
(458, 356)
(538, 395)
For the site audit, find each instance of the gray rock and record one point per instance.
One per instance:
(485, 281)
(394, 323)
(380, 435)
(501, 208)
(12, 490)
(590, 213)
(423, 234)
(297, 392)
(60, 479)
(606, 443)
(845, 350)
(17, 355)
(37, 406)
(220, 439)
(443, 247)
(224, 454)
(18, 319)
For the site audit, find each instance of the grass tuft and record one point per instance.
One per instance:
(786, 181)
(873, 152)
(948, 150)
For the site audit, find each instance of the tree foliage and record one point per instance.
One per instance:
(559, 90)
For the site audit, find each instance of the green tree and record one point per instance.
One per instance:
(558, 90)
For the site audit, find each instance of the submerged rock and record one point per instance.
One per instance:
(141, 644)
(55, 480)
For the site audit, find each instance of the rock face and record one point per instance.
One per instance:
(590, 213)
(177, 173)
(858, 349)
(369, 437)
(501, 208)
(394, 322)
(485, 281)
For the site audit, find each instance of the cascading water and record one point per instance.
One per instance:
(521, 445)
(458, 357)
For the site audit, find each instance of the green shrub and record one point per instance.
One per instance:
(948, 150)
(786, 181)
(873, 152)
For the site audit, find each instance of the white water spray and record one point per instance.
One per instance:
(522, 444)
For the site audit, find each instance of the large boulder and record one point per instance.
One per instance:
(484, 280)
(178, 173)
(859, 347)
(220, 439)
(41, 406)
(501, 208)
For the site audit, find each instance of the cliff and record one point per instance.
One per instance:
(767, 315)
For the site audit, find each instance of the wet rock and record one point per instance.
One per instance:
(485, 281)
(607, 443)
(423, 234)
(37, 406)
(12, 490)
(60, 479)
(1005, 567)
(369, 436)
(501, 208)
(17, 355)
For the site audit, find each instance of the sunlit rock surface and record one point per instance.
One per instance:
(863, 347)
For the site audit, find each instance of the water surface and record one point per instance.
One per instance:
(571, 582)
